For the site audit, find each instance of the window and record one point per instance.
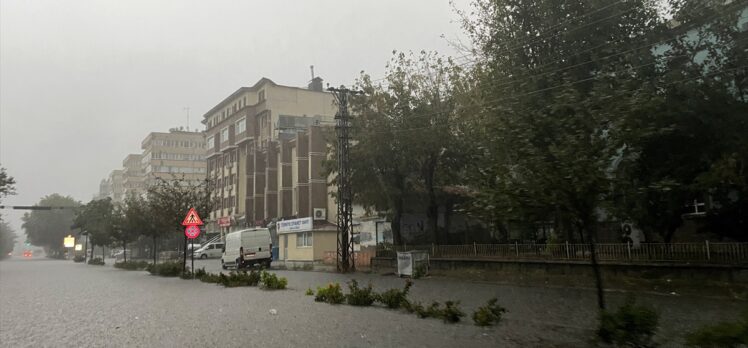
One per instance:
(304, 239)
(225, 134)
(261, 95)
(241, 126)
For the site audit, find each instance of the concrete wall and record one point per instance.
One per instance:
(646, 271)
(324, 241)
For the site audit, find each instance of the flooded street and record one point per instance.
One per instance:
(53, 303)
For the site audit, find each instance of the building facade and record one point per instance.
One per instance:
(133, 179)
(265, 148)
(174, 154)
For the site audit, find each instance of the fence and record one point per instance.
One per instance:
(717, 253)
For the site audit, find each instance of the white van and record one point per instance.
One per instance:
(256, 244)
(210, 250)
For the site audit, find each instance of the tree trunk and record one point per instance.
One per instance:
(447, 220)
(124, 250)
(397, 238)
(154, 250)
(103, 251)
(585, 229)
(432, 211)
(184, 256)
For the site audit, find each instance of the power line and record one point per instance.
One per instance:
(703, 6)
(450, 123)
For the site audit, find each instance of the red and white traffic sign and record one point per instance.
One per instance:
(192, 219)
(192, 231)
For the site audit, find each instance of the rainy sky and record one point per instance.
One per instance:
(83, 82)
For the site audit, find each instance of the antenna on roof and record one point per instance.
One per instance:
(312, 68)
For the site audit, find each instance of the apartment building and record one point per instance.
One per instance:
(133, 178)
(117, 190)
(174, 154)
(265, 146)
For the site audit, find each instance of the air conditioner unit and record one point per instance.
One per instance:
(320, 213)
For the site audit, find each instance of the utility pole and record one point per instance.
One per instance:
(345, 259)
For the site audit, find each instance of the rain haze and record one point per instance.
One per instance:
(374, 173)
(83, 82)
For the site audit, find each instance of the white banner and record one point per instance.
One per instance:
(295, 225)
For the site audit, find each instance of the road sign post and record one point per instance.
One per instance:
(191, 231)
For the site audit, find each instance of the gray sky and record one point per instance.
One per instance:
(83, 82)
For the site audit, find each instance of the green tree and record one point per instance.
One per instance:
(7, 184)
(553, 95)
(406, 149)
(7, 239)
(687, 141)
(131, 220)
(48, 228)
(7, 236)
(97, 218)
(169, 200)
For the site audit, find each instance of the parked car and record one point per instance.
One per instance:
(255, 243)
(209, 251)
(120, 254)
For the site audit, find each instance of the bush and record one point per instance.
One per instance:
(79, 258)
(489, 314)
(331, 294)
(272, 282)
(165, 269)
(210, 278)
(724, 334)
(200, 272)
(451, 312)
(234, 279)
(96, 261)
(309, 292)
(186, 275)
(360, 296)
(631, 325)
(395, 298)
(132, 265)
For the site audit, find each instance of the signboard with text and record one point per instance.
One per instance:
(69, 241)
(295, 225)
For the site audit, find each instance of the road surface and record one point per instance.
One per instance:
(49, 303)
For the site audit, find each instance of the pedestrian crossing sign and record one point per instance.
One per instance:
(192, 219)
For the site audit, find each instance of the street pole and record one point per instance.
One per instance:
(344, 260)
(192, 260)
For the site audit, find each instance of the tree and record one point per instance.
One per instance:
(7, 236)
(405, 148)
(98, 219)
(130, 221)
(554, 91)
(48, 228)
(687, 142)
(7, 239)
(7, 184)
(170, 200)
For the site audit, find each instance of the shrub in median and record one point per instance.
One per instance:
(360, 296)
(132, 265)
(234, 279)
(309, 292)
(272, 282)
(210, 278)
(165, 269)
(395, 298)
(330, 294)
(96, 261)
(79, 258)
(724, 334)
(631, 325)
(489, 314)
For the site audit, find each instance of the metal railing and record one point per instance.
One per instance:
(706, 252)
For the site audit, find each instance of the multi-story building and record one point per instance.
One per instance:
(265, 148)
(178, 153)
(117, 190)
(133, 179)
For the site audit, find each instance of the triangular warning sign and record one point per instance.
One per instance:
(192, 218)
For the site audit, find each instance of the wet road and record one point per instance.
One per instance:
(59, 303)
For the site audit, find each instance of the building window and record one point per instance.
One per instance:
(304, 239)
(225, 135)
(241, 126)
(261, 95)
